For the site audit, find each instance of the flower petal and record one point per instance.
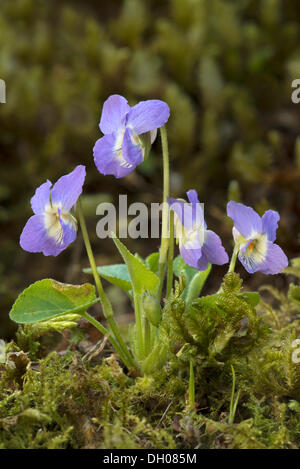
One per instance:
(153, 135)
(68, 188)
(107, 160)
(34, 238)
(191, 255)
(213, 251)
(183, 211)
(69, 231)
(113, 114)
(270, 221)
(245, 219)
(249, 262)
(41, 198)
(148, 115)
(275, 262)
(132, 151)
(34, 234)
(197, 207)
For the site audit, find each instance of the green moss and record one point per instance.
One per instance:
(64, 401)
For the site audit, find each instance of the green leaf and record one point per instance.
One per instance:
(116, 274)
(48, 298)
(252, 298)
(141, 277)
(152, 261)
(195, 279)
(196, 284)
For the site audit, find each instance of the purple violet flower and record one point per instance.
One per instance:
(122, 149)
(254, 238)
(197, 245)
(52, 227)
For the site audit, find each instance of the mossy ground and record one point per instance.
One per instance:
(76, 400)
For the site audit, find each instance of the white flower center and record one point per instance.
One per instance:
(118, 147)
(53, 224)
(257, 248)
(188, 237)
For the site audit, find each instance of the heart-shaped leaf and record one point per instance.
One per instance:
(48, 298)
(117, 274)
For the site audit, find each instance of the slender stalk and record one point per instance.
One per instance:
(147, 337)
(232, 263)
(106, 305)
(139, 327)
(233, 402)
(170, 255)
(113, 342)
(192, 387)
(233, 259)
(165, 213)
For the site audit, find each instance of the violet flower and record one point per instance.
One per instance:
(122, 147)
(254, 238)
(197, 245)
(52, 227)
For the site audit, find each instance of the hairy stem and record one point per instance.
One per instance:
(191, 387)
(165, 213)
(233, 259)
(106, 305)
(139, 327)
(170, 256)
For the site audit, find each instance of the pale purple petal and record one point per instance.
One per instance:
(41, 198)
(34, 238)
(212, 251)
(148, 115)
(270, 221)
(184, 212)
(69, 232)
(107, 160)
(191, 255)
(67, 189)
(245, 219)
(249, 262)
(132, 150)
(275, 262)
(34, 234)
(114, 113)
(197, 207)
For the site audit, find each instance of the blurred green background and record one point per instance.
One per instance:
(224, 67)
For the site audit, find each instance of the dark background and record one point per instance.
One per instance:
(224, 67)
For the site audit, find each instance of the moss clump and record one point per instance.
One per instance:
(65, 401)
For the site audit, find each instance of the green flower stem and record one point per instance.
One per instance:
(232, 263)
(233, 259)
(147, 337)
(191, 387)
(165, 214)
(106, 305)
(113, 342)
(170, 255)
(139, 326)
